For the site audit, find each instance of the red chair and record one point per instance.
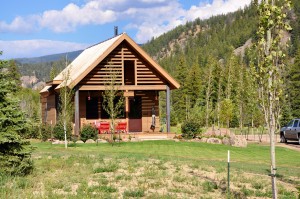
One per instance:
(103, 127)
(121, 126)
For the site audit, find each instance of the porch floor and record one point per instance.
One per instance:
(140, 136)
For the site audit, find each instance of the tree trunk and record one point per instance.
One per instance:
(207, 99)
(272, 121)
(218, 103)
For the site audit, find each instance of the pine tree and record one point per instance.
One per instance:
(294, 89)
(15, 153)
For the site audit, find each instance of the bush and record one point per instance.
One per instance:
(46, 132)
(34, 131)
(88, 132)
(58, 131)
(31, 130)
(173, 118)
(190, 129)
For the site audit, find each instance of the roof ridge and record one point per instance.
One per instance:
(104, 41)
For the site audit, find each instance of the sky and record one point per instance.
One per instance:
(34, 28)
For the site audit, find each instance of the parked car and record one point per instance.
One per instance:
(290, 131)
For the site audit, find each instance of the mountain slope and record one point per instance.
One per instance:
(49, 58)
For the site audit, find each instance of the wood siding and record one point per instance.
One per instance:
(113, 67)
(49, 112)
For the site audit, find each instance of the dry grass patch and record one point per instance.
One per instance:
(119, 172)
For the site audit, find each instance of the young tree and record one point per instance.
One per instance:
(226, 111)
(66, 109)
(269, 64)
(208, 76)
(15, 156)
(113, 99)
(219, 79)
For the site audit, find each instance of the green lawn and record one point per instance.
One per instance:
(153, 169)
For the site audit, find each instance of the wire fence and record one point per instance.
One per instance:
(259, 134)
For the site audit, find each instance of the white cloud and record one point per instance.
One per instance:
(215, 8)
(72, 16)
(27, 48)
(19, 24)
(149, 18)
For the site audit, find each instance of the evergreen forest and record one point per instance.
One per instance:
(211, 61)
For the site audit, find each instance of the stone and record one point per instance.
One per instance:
(79, 142)
(135, 140)
(101, 141)
(56, 142)
(238, 141)
(214, 141)
(226, 141)
(212, 132)
(89, 141)
(204, 139)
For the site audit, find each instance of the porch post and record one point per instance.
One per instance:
(168, 109)
(76, 100)
(127, 113)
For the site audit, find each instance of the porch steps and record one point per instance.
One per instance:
(153, 137)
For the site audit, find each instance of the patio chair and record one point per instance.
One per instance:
(121, 127)
(103, 127)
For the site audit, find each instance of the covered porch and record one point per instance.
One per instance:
(140, 102)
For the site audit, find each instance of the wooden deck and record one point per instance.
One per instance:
(140, 136)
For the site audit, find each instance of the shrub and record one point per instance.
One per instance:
(58, 131)
(190, 129)
(134, 193)
(31, 130)
(209, 186)
(173, 118)
(88, 132)
(46, 132)
(35, 131)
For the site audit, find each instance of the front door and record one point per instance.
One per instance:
(135, 114)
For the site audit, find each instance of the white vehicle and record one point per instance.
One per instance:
(291, 131)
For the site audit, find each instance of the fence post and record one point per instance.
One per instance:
(228, 173)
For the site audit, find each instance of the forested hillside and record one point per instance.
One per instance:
(209, 58)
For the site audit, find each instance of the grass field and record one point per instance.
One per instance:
(153, 169)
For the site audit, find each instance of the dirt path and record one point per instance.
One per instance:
(266, 140)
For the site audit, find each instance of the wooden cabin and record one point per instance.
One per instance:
(135, 73)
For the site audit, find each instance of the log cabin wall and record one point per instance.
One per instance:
(43, 100)
(149, 99)
(49, 105)
(113, 67)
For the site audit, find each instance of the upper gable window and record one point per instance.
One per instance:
(129, 72)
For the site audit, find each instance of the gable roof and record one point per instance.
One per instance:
(93, 55)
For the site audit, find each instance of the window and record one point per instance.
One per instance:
(296, 123)
(105, 115)
(129, 70)
(91, 108)
(290, 124)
